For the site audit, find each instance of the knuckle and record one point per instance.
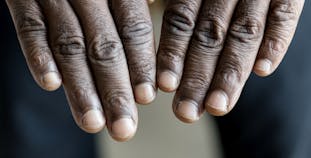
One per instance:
(103, 50)
(39, 57)
(172, 54)
(27, 23)
(171, 59)
(69, 45)
(232, 70)
(285, 11)
(196, 80)
(210, 34)
(80, 93)
(172, 49)
(26, 16)
(274, 47)
(116, 104)
(180, 18)
(142, 68)
(137, 32)
(80, 97)
(247, 29)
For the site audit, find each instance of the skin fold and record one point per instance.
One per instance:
(103, 53)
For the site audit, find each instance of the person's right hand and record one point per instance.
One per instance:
(98, 50)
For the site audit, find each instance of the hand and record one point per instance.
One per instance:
(98, 50)
(209, 48)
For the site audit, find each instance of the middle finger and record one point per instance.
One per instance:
(135, 28)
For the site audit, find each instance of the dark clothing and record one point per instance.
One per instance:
(273, 116)
(271, 120)
(34, 123)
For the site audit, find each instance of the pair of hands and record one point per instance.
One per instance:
(103, 53)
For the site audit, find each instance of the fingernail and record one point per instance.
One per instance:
(51, 81)
(150, 1)
(263, 66)
(123, 129)
(188, 111)
(168, 81)
(93, 121)
(144, 93)
(217, 102)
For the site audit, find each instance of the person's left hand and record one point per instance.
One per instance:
(209, 48)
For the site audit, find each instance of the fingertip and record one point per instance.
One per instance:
(51, 81)
(187, 112)
(150, 1)
(123, 129)
(144, 93)
(263, 67)
(217, 103)
(167, 81)
(93, 121)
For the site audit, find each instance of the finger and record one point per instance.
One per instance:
(67, 43)
(206, 45)
(237, 59)
(150, 1)
(281, 26)
(135, 28)
(109, 66)
(32, 34)
(178, 25)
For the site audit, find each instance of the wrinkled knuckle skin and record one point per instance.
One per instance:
(30, 25)
(105, 51)
(180, 19)
(172, 53)
(232, 72)
(172, 49)
(274, 47)
(196, 81)
(285, 11)
(69, 46)
(247, 29)
(116, 105)
(171, 59)
(25, 20)
(210, 35)
(39, 57)
(142, 69)
(137, 32)
(80, 98)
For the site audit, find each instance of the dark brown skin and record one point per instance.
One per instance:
(101, 51)
(209, 48)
